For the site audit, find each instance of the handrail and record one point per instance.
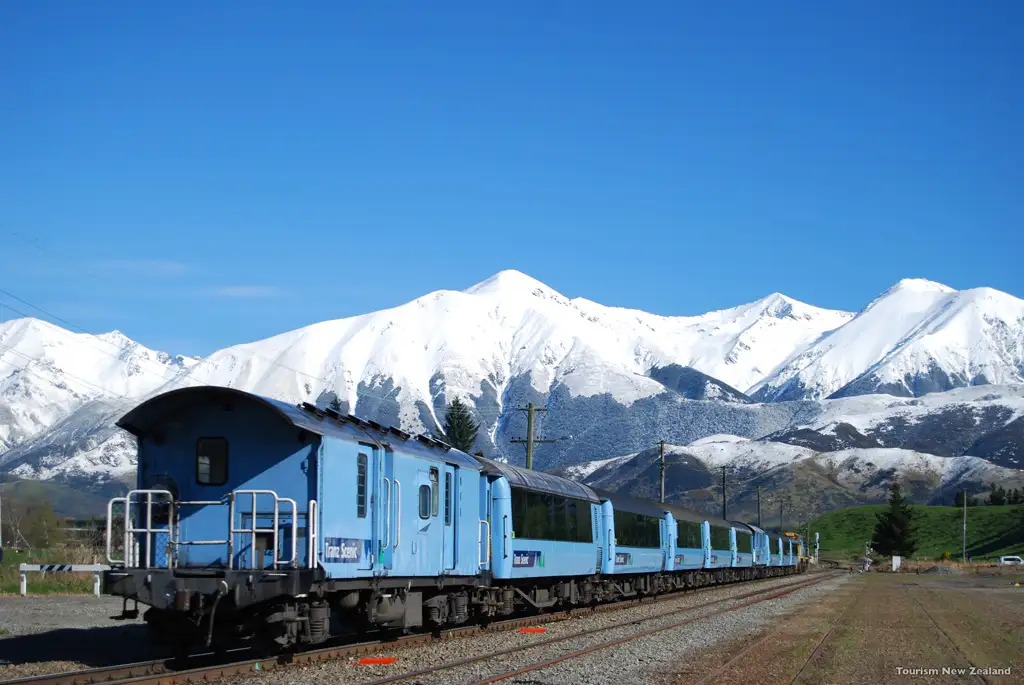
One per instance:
(275, 530)
(312, 533)
(387, 516)
(130, 530)
(398, 517)
(481, 539)
(110, 532)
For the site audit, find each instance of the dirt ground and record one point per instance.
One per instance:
(884, 628)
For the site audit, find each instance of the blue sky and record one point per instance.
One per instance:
(198, 174)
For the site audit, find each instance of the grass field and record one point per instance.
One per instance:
(48, 583)
(991, 531)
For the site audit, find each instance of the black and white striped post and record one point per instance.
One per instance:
(95, 569)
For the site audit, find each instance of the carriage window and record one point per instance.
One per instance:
(361, 486)
(211, 461)
(637, 530)
(433, 490)
(719, 538)
(540, 516)
(447, 499)
(688, 534)
(424, 501)
(743, 543)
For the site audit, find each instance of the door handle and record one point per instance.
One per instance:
(387, 516)
(398, 516)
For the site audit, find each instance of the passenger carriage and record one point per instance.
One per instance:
(260, 520)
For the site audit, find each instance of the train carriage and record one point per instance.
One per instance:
(259, 520)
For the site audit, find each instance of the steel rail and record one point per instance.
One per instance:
(167, 672)
(644, 633)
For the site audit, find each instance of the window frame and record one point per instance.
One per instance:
(550, 518)
(435, 485)
(227, 452)
(423, 500)
(362, 480)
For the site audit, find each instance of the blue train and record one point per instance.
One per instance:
(280, 524)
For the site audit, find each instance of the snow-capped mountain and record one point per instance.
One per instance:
(804, 481)
(614, 380)
(510, 338)
(917, 337)
(47, 372)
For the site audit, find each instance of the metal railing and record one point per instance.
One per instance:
(313, 534)
(148, 532)
(254, 530)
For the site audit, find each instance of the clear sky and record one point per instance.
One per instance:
(202, 173)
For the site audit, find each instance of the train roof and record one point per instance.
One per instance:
(538, 480)
(325, 422)
(634, 505)
(744, 524)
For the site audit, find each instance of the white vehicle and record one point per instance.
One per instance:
(1009, 561)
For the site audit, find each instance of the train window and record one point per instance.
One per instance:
(433, 490)
(743, 544)
(637, 530)
(447, 499)
(211, 461)
(720, 538)
(540, 516)
(688, 535)
(424, 501)
(361, 461)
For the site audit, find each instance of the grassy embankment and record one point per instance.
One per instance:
(991, 531)
(48, 583)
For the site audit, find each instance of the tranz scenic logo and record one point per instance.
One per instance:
(624, 559)
(679, 558)
(525, 559)
(343, 550)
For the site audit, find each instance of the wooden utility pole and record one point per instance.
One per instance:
(723, 494)
(661, 466)
(530, 441)
(758, 506)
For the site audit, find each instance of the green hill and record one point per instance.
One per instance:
(991, 531)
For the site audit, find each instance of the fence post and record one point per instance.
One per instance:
(96, 584)
(24, 583)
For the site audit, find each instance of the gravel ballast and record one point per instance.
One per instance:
(64, 633)
(634, 661)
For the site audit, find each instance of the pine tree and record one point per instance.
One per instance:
(894, 531)
(997, 496)
(1016, 497)
(959, 501)
(459, 427)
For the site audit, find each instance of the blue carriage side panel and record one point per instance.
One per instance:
(743, 544)
(249, 443)
(705, 530)
(687, 533)
(544, 524)
(608, 533)
(670, 542)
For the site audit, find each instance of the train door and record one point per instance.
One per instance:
(428, 548)
(386, 509)
(451, 507)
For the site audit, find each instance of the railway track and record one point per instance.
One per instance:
(204, 668)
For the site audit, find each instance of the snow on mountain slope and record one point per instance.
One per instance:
(787, 473)
(419, 355)
(917, 337)
(47, 372)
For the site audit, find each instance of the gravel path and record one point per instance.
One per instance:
(628, 663)
(49, 634)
